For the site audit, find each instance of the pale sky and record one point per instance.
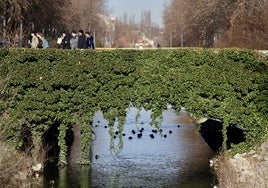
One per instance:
(119, 7)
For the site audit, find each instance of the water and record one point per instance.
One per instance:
(181, 159)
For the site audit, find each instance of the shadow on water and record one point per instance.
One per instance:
(173, 156)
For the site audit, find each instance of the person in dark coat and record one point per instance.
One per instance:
(90, 40)
(65, 43)
(82, 43)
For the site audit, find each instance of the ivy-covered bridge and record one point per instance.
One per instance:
(55, 89)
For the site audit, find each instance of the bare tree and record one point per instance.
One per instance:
(146, 22)
(86, 12)
(248, 26)
(126, 31)
(217, 23)
(50, 16)
(26, 15)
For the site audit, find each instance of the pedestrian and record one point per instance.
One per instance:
(74, 40)
(33, 41)
(65, 42)
(41, 40)
(82, 43)
(90, 40)
(158, 45)
(59, 41)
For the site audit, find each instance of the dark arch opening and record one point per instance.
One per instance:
(50, 142)
(211, 131)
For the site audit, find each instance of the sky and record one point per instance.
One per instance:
(119, 7)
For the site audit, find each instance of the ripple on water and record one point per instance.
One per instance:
(180, 160)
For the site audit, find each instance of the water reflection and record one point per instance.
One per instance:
(178, 160)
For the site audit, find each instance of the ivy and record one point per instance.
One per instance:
(41, 87)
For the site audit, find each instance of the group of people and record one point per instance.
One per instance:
(67, 40)
(75, 40)
(37, 40)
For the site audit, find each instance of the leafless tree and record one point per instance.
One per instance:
(50, 15)
(146, 22)
(218, 23)
(86, 12)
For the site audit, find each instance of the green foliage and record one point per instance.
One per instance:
(42, 87)
(62, 144)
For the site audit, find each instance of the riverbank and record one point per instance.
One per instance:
(245, 170)
(14, 167)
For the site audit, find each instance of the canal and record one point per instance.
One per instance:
(172, 155)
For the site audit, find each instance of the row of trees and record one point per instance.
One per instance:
(54, 16)
(128, 30)
(50, 16)
(206, 23)
(217, 23)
